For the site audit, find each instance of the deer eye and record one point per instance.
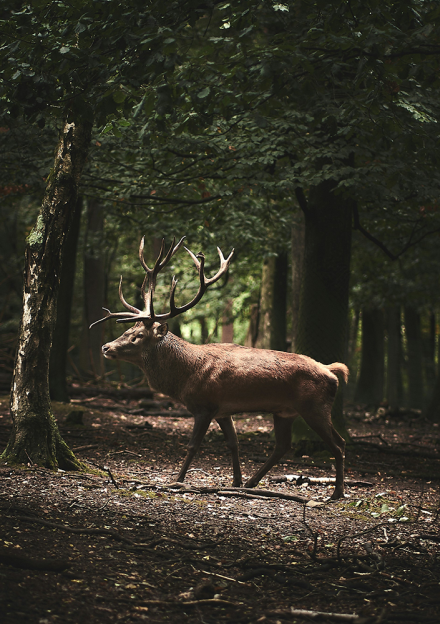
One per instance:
(133, 339)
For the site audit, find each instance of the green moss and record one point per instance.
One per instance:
(36, 237)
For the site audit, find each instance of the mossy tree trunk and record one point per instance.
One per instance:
(323, 314)
(35, 436)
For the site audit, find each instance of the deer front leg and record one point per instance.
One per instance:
(201, 424)
(227, 426)
(283, 436)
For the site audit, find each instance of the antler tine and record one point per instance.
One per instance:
(151, 274)
(199, 261)
(224, 264)
(172, 250)
(150, 277)
(135, 315)
(125, 317)
(124, 303)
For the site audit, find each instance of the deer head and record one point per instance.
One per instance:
(149, 325)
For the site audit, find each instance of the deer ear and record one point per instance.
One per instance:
(162, 330)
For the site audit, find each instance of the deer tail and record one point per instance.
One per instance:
(339, 369)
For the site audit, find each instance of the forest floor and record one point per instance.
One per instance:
(117, 544)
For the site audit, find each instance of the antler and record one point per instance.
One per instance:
(135, 315)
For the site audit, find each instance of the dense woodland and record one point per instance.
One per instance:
(305, 135)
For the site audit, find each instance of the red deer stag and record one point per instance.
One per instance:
(215, 381)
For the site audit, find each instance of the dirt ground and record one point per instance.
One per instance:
(117, 544)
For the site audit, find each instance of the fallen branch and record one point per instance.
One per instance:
(237, 491)
(322, 615)
(187, 545)
(300, 479)
(84, 448)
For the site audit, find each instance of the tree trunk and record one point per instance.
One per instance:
(297, 271)
(322, 326)
(273, 301)
(428, 346)
(228, 323)
(35, 437)
(252, 332)
(394, 393)
(266, 304)
(352, 350)
(415, 359)
(91, 359)
(60, 340)
(370, 385)
(278, 335)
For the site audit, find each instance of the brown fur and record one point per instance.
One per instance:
(219, 380)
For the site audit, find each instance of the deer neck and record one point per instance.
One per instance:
(168, 365)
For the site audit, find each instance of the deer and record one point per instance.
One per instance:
(219, 380)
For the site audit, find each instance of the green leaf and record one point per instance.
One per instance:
(119, 96)
(204, 93)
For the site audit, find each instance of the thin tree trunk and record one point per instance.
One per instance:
(428, 346)
(227, 323)
(60, 341)
(415, 359)
(266, 304)
(394, 358)
(297, 271)
(322, 326)
(94, 291)
(370, 385)
(352, 352)
(278, 334)
(252, 333)
(35, 437)
(272, 324)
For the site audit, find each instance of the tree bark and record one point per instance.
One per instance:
(266, 304)
(252, 332)
(428, 346)
(228, 323)
(60, 340)
(323, 315)
(297, 271)
(394, 392)
(91, 357)
(35, 437)
(370, 385)
(272, 325)
(415, 358)
(278, 335)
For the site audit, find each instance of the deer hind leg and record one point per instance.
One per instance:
(334, 442)
(283, 436)
(201, 424)
(227, 426)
